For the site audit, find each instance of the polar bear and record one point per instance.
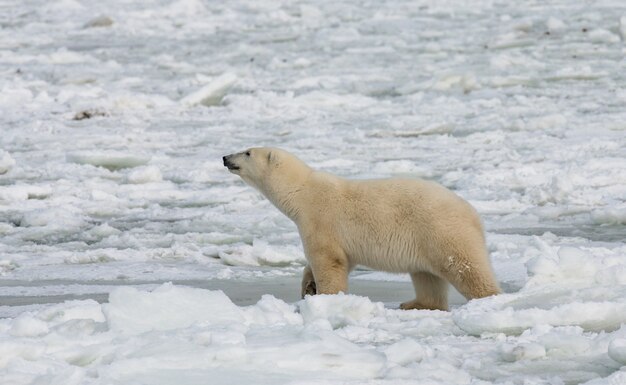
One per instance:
(396, 225)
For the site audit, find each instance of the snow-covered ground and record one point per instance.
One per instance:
(114, 117)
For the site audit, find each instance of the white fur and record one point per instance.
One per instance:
(396, 225)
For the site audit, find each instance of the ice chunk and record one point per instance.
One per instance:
(405, 351)
(523, 351)
(548, 122)
(6, 265)
(568, 264)
(68, 217)
(603, 36)
(29, 350)
(262, 253)
(611, 216)
(617, 378)
(402, 167)
(213, 93)
(272, 311)
(467, 82)
(110, 160)
(146, 174)
(22, 192)
(66, 220)
(339, 310)
(612, 275)
(13, 193)
(71, 311)
(574, 262)
(100, 21)
(6, 162)
(103, 231)
(554, 24)
(593, 309)
(28, 326)
(617, 350)
(168, 307)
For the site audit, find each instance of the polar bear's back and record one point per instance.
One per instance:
(403, 224)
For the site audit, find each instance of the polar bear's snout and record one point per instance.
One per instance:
(229, 163)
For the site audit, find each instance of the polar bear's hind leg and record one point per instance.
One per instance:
(308, 282)
(472, 277)
(431, 292)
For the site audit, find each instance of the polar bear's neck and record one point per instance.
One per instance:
(286, 188)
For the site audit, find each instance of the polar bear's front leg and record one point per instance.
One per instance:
(330, 269)
(308, 282)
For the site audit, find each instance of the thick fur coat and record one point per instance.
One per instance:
(396, 225)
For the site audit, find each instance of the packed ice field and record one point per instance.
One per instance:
(115, 116)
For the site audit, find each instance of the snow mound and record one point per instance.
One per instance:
(568, 286)
(109, 160)
(272, 311)
(261, 253)
(601, 35)
(100, 21)
(180, 334)
(617, 378)
(55, 217)
(612, 216)
(28, 326)
(213, 93)
(593, 309)
(22, 192)
(132, 311)
(617, 350)
(6, 162)
(53, 223)
(405, 351)
(339, 310)
(574, 267)
(141, 175)
(402, 167)
(567, 263)
(555, 25)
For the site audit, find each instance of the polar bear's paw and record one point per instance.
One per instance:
(309, 288)
(415, 304)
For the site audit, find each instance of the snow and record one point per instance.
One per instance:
(213, 93)
(188, 334)
(114, 120)
(6, 162)
(555, 25)
(100, 21)
(603, 35)
(145, 174)
(132, 311)
(109, 160)
(617, 350)
(339, 310)
(28, 326)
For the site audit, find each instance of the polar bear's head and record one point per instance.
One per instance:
(272, 171)
(253, 165)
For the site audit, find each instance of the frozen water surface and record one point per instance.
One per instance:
(114, 117)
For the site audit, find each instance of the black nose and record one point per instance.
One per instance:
(228, 163)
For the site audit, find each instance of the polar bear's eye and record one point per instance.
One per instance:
(247, 153)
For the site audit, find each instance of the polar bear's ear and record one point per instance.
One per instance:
(269, 157)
